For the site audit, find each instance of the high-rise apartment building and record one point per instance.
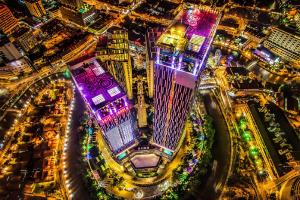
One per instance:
(108, 103)
(151, 36)
(35, 8)
(78, 12)
(7, 20)
(182, 52)
(114, 50)
(284, 43)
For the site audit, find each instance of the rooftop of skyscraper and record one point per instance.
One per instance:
(189, 35)
(98, 87)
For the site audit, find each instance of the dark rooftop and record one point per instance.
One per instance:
(237, 70)
(20, 31)
(287, 136)
(3, 39)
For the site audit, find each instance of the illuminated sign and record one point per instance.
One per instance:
(122, 155)
(168, 152)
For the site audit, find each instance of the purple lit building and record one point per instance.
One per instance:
(182, 51)
(107, 101)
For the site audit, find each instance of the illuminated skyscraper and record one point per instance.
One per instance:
(78, 12)
(115, 52)
(182, 51)
(35, 7)
(151, 37)
(7, 20)
(108, 102)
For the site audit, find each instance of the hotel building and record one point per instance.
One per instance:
(182, 52)
(108, 102)
(114, 51)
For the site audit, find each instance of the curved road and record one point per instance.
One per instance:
(74, 158)
(221, 151)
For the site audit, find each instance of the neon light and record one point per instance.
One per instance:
(168, 152)
(173, 60)
(180, 62)
(122, 155)
(157, 55)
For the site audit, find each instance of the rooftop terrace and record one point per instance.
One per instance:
(186, 42)
(100, 90)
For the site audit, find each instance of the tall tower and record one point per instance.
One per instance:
(151, 36)
(107, 102)
(182, 52)
(115, 52)
(35, 7)
(7, 20)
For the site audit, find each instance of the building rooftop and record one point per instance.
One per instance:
(165, 9)
(266, 54)
(229, 22)
(291, 30)
(237, 70)
(101, 92)
(20, 31)
(189, 35)
(3, 39)
(240, 79)
(31, 1)
(283, 147)
(145, 161)
(85, 8)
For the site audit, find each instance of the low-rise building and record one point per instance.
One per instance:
(26, 38)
